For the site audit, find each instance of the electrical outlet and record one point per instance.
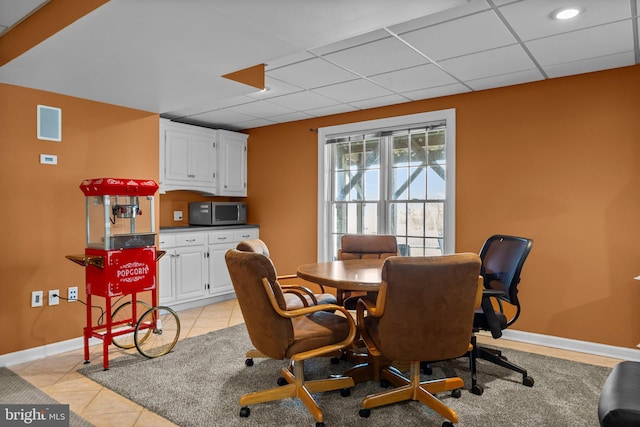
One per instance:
(72, 294)
(177, 215)
(54, 297)
(36, 299)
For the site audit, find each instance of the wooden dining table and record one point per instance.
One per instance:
(348, 275)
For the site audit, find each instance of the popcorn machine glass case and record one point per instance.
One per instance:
(120, 259)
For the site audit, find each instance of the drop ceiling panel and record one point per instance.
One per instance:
(530, 19)
(590, 65)
(588, 43)
(506, 79)
(311, 73)
(415, 78)
(461, 36)
(290, 117)
(263, 109)
(436, 18)
(379, 102)
(274, 88)
(350, 42)
(377, 57)
(301, 101)
(494, 62)
(356, 90)
(334, 109)
(436, 92)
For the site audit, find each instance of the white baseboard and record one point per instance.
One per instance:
(53, 349)
(587, 347)
(623, 353)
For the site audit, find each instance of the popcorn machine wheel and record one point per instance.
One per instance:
(120, 264)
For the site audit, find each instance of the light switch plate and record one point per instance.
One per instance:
(48, 159)
(177, 215)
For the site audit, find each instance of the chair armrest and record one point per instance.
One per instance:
(489, 312)
(295, 276)
(308, 310)
(300, 291)
(492, 293)
(376, 310)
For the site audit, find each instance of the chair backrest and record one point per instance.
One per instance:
(502, 260)
(270, 333)
(254, 245)
(429, 306)
(355, 246)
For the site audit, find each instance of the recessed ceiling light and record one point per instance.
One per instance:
(566, 13)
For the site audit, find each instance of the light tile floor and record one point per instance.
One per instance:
(58, 376)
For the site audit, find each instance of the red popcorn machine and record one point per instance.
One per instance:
(120, 263)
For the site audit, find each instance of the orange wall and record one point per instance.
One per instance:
(553, 160)
(556, 161)
(43, 209)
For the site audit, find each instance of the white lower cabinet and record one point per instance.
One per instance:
(166, 269)
(195, 270)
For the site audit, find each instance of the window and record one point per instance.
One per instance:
(390, 176)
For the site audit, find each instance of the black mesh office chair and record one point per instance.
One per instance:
(502, 260)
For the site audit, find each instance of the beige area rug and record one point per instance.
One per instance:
(200, 381)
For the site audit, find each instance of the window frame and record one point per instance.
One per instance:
(411, 120)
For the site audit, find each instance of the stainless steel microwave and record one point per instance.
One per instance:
(217, 213)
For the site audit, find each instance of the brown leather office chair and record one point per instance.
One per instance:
(296, 296)
(358, 246)
(292, 334)
(424, 311)
(502, 260)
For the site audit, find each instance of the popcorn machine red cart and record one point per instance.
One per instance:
(120, 261)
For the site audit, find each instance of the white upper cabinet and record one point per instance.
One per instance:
(208, 161)
(232, 163)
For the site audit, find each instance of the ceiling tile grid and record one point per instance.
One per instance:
(482, 45)
(318, 60)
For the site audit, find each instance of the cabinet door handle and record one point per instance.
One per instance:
(191, 240)
(222, 238)
(191, 176)
(246, 236)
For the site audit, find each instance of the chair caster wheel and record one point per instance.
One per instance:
(456, 393)
(477, 390)
(447, 424)
(281, 381)
(528, 381)
(364, 413)
(335, 360)
(319, 424)
(248, 362)
(345, 392)
(245, 411)
(385, 383)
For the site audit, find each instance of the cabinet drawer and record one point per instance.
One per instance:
(246, 234)
(221, 237)
(166, 241)
(190, 239)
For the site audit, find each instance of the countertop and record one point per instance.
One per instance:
(187, 228)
